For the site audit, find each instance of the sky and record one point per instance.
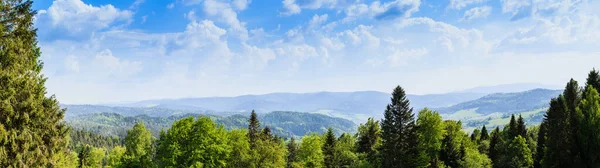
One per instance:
(98, 51)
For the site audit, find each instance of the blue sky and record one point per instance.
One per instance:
(98, 51)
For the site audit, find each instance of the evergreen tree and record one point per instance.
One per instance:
(588, 113)
(571, 99)
(593, 80)
(495, 141)
(452, 151)
(513, 130)
(521, 128)
(90, 157)
(115, 157)
(32, 133)
(558, 145)
(329, 148)
(429, 130)
(484, 134)
(541, 145)
(345, 151)
(519, 155)
(253, 129)
(138, 144)
(369, 140)
(292, 148)
(397, 128)
(475, 135)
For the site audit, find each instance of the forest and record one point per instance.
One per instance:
(34, 134)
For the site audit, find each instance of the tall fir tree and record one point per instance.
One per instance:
(588, 113)
(32, 133)
(329, 148)
(292, 148)
(520, 154)
(484, 134)
(541, 145)
(593, 80)
(513, 129)
(253, 129)
(397, 127)
(369, 139)
(495, 141)
(521, 127)
(571, 98)
(558, 141)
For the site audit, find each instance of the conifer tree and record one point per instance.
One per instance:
(513, 129)
(329, 148)
(475, 135)
(521, 127)
(397, 128)
(519, 155)
(369, 139)
(593, 80)
(541, 145)
(292, 148)
(494, 142)
(588, 113)
(32, 133)
(558, 141)
(571, 98)
(484, 134)
(253, 129)
(452, 151)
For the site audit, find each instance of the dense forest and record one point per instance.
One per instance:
(33, 133)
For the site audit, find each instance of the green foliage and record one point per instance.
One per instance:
(139, 145)
(240, 149)
(329, 148)
(513, 130)
(397, 128)
(519, 155)
(310, 154)
(473, 158)
(31, 127)
(495, 144)
(66, 160)
(81, 137)
(115, 157)
(558, 149)
(588, 113)
(484, 134)
(369, 141)
(253, 129)
(90, 157)
(191, 143)
(540, 145)
(269, 153)
(345, 151)
(452, 149)
(521, 128)
(292, 148)
(429, 132)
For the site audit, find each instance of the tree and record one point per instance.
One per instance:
(329, 148)
(571, 99)
(345, 151)
(588, 112)
(475, 135)
(429, 131)
(292, 153)
(541, 145)
(253, 129)
(90, 157)
(521, 128)
(452, 151)
(513, 130)
(114, 158)
(310, 154)
(269, 153)
(558, 148)
(520, 155)
(369, 140)
(484, 134)
(593, 80)
(31, 127)
(240, 155)
(190, 143)
(138, 143)
(495, 143)
(397, 128)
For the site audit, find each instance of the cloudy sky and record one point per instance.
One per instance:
(98, 51)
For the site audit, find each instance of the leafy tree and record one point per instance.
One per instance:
(190, 143)
(397, 128)
(139, 147)
(484, 134)
(310, 153)
(429, 131)
(520, 155)
(292, 148)
(369, 140)
(31, 127)
(472, 158)
(66, 160)
(253, 129)
(329, 148)
(521, 127)
(475, 135)
(558, 149)
(588, 113)
(345, 151)
(452, 153)
(90, 157)
(269, 152)
(240, 149)
(541, 145)
(115, 157)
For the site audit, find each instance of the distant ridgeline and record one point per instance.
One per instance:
(285, 124)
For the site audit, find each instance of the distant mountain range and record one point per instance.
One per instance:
(506, 102)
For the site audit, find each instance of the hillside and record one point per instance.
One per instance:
(505, 102)
(284, 124)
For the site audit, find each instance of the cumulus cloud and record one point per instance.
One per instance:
(399, 9)
(459, 4)
(115, 66)
(476, 13)
(224, 12)
(401, 57)
(291, 7)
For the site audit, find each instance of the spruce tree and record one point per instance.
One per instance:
(513, 129)
(369, 139)
(593, 80)
(484, 134)
(253, 129)
(397, 127)
(292, 148)
(494, 142)
(571, 98)
(541, 145)
(558, 141)
(32, 133)
(329, 148)
(519, 155)
(475, 135)
(521, 127)
(588, 113)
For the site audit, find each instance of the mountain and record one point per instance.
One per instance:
(506, 102)
(282, 123)
(508, 88)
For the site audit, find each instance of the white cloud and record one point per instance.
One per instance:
(75, 17)
(477, 12)
(72, 64)
(136, 4)
(115, 66)
(378, 10)
(459, 4)
(171, 6)
(241, 5)
(290, 7)
(225, 13)
(317, 20)
(401, 57)
(144, 18)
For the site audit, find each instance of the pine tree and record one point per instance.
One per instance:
(541, 145)
(558, 145)
(494, 142)
(369, 139)
(32, 133)
(452, 151)
(520, 154)
(397, 128)
(588, 113)
(253, 129)
(475, 135)
(329, 148)
(593, 80)
(484, 134)
(513, 129)
(521, 128)
(292, 148)
(571, 99)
